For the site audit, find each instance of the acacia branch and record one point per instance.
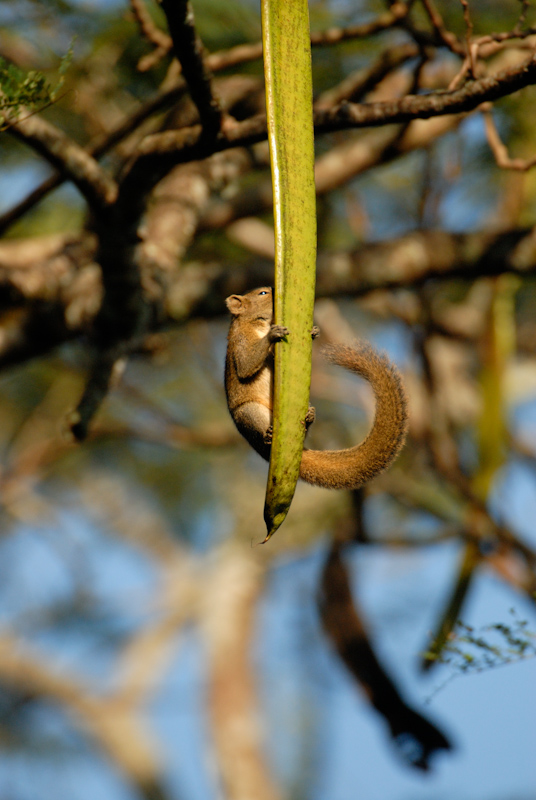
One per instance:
(151, 31)
(216, 62)
(232, 90)
(72, 161)
(56, 278)
(232, 594)
(446, 36)
(116, 727)
(471, 95)
(159, 152)
(358, 84)
(499, 149)
(335, 168)
(190, 53)
(97, 148)
(417, 257)
(344, 627)
(137, 267)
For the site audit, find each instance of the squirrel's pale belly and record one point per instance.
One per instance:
(264, 387)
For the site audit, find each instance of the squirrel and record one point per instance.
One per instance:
(249, 369)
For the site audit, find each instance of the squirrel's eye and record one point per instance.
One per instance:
(263, 292)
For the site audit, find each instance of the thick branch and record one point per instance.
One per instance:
(160, 152)
(189, 51)
(139, 265)
(60, 274)
(345, 628)
(117, 728)
(231, 90)
(471, 95)
(230, 603)
(214, 62)
(70, 159)
(254, 130)
(422, 255)
(335, 168)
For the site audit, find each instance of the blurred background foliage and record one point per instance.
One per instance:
(139, 622)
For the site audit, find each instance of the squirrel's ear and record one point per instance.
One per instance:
(234, 304)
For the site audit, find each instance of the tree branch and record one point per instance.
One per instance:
(344, 627)
(158, 153)
(190, 53)
(63, 278)
(356, 85)
(230, 604)
(151, 31)
(415, 258)
(499, 150)
(232, 90)
(446, 36)
(70, 159)
(335, 168)
(117, 728)
(471, 95)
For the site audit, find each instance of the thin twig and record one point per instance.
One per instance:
(468, 37)
(359, 83)
(498, 148)
(446, 36)
(162, 42)
(151, 31)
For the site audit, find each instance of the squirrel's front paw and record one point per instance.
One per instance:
(315, 331)
(267, 438)
(278, 332)
(310, 417)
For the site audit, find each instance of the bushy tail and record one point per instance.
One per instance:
(350, 468)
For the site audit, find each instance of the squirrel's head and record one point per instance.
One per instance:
(258, 303)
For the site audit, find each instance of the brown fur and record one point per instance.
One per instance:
(249, 389)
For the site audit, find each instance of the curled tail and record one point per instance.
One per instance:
(350, 468)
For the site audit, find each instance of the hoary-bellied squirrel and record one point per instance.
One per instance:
(249, 389)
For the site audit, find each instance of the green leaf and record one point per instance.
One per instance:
(287, 65)
(30, 90)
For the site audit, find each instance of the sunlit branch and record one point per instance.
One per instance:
(159, 152)
(152, 33)
(216, 62)
(116, 727)
(498, 148)
(446, 36)
(462, 100)
(335, 168)
(356, 85)
(99, 189)
(231, 91)
(65, 273)
(230, 604)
